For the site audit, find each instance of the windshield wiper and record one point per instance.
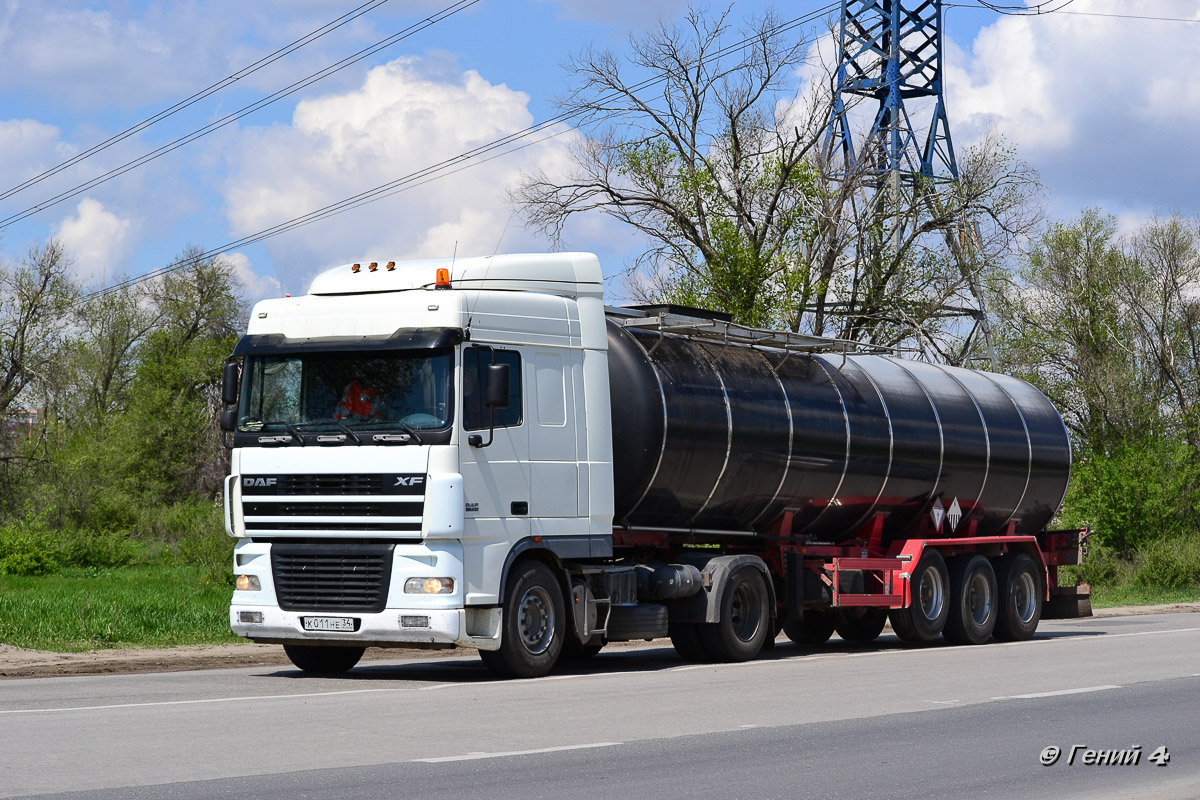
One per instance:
(410, 430)
(349, 432)
(294, 430)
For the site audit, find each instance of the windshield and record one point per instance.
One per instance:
(377, 391)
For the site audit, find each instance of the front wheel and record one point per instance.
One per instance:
(534, 624)
(323, 660)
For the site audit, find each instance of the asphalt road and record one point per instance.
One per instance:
(879, 721)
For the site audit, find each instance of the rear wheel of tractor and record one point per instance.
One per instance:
(323, 660)
(534, 624)
(1021, 594)
(922, 622)
(860, 624)
(973, 600)
(745, 618)
(812, 631)
(685, 637)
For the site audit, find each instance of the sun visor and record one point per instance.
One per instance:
(403, 339)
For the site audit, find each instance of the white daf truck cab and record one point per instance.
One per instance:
(401, 434)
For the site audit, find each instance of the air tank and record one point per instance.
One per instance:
(715, 436)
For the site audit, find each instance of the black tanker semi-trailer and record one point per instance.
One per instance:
(863, 483)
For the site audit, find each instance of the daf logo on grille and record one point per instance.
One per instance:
(413, 481)
(259, 481)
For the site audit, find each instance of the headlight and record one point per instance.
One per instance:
(248, 583)
(429, 586)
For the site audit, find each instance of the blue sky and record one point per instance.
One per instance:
(1105, 108)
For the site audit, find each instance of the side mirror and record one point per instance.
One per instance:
(229, 384)
(229, 419)
(496, 394)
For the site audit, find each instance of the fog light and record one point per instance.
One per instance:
(254, 617)
(414, 622)
(429, 586)
(248, 583)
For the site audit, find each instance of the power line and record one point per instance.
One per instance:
(1031, 11)
(262, 103)
(449, 166)
(228, 80)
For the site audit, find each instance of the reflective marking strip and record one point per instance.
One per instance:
(1083, 690)
(535, 751)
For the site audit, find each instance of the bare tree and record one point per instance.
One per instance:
(714, 151)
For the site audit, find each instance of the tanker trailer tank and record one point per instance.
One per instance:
(710, 435)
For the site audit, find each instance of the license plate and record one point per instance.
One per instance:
(345, 624)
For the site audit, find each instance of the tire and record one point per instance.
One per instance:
(812, 631)
(685, 638)
(534, 624)
(574, 651)
(860, 624)
(745, 620)
(923, 621)
(323, 660)
(974, 601)
(1021, 593)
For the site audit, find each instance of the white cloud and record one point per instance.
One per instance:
(96, 240)
(1105, 108)
(256, 287)
(400, 120)
(28, 146)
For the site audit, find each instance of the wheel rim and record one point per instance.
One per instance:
(933, 594)
(979, 598)
(535, 619)
(1025, 597)
(745, 612)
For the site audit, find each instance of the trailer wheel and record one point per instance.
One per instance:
(1021, 594)
(323, 660)
(973, 601)
(922, 622)
(533, 627)
(814, 630)
(745, 618)
(860, 624)
(685, 638)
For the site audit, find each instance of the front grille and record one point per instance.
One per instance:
(337, 577)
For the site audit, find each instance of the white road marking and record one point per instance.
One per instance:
(474, 756)
(1082, 690)
(193, 702)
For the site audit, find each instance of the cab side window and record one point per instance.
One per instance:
(476, 415)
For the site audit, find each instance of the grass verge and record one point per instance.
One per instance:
(1108, 597)
(140, 606)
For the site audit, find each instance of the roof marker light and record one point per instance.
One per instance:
(355, 267)
(391, 265)
(374, 265)
(443, 278)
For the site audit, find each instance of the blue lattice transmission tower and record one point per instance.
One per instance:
(891, 51)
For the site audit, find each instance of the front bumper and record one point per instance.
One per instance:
(393, 627)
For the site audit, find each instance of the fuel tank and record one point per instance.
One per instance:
(716, 436)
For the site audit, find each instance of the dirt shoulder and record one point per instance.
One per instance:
(17, 662)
